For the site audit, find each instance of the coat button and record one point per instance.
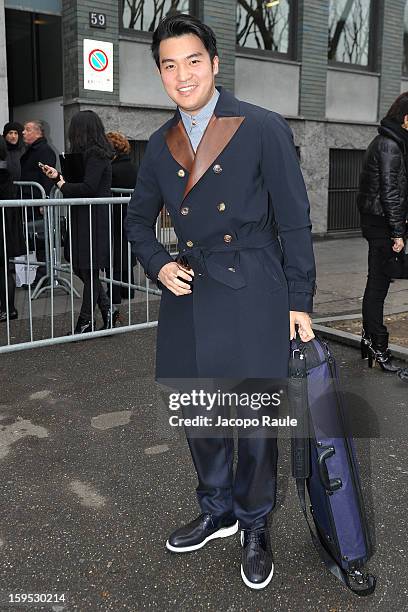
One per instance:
(221, 206)
(189, 243)
(217, 169)
(184, 210)
(181, 173)
(227, 238)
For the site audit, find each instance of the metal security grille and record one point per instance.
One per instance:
(345, 168)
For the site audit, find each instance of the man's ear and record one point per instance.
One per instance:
(215, 63)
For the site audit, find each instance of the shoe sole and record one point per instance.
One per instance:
(255, 585)
(224, 532)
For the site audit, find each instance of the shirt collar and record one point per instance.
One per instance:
(205, 113)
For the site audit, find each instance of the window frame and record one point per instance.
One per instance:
(291, 54)
(195, 10)
(404, 73)
(372, 44)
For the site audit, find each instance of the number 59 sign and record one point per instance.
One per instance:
(97, 20)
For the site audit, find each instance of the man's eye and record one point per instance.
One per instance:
(195, 61)
(169, 66)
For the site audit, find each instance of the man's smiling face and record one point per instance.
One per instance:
(187, 73)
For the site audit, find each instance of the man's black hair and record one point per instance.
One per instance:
(399, 108)
(179, 25)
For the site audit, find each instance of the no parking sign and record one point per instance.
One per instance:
(98, 65)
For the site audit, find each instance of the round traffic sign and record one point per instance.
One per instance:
(98, 60)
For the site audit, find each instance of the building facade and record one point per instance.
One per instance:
(331, 67)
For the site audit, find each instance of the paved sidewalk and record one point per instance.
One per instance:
(341, 278)
(91, 487)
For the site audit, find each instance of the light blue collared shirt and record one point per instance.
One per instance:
(196, 124)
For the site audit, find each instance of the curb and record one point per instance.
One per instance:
(353, 340)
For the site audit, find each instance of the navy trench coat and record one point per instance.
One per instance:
(241, 214)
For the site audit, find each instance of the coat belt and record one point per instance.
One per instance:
(211, 258)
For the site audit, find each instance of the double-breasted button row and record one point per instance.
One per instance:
(190, 243)
(184, 210)
(181, 173)
(227, 238)
(217, 169)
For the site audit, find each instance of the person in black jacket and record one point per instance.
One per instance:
(87, 138)
(14, 238)
(124, 174)
(38, 150)
(383, 205)
(13, 135)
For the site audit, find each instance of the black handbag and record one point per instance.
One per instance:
(396, 266)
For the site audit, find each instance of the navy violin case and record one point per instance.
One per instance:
(324, 462)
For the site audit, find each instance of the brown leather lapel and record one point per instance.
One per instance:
(179, 146)
(218, 134)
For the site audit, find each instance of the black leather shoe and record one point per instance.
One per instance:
(12, 315)
(110, 316)
(201, 530)
(257, 559)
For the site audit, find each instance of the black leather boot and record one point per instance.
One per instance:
(365, 344)
(378, 352)
(403, 374)
(83, 326)
(13, 314)
(110, 317)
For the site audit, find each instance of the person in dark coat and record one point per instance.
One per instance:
(124, 174)
(14, 238)
(228, 174)
(383, 204)
(38, 150)
(87, 139)
(13, 135)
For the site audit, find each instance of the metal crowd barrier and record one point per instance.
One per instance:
(28, 331)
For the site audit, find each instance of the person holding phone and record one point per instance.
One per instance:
(87, 139)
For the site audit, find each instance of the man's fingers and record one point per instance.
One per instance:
(183, 271)
(292, 331)
(186, 275)
(306, 334)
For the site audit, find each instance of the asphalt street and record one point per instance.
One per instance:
(92, 484)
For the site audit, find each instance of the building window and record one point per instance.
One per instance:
(34, 73)
(145, 15)
(405, 56)
(350, 31)
(265, 25)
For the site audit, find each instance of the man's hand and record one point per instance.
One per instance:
(168, 276)
(398, 244)
(304, 323)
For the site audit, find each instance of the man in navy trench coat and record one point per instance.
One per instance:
(228, 174)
